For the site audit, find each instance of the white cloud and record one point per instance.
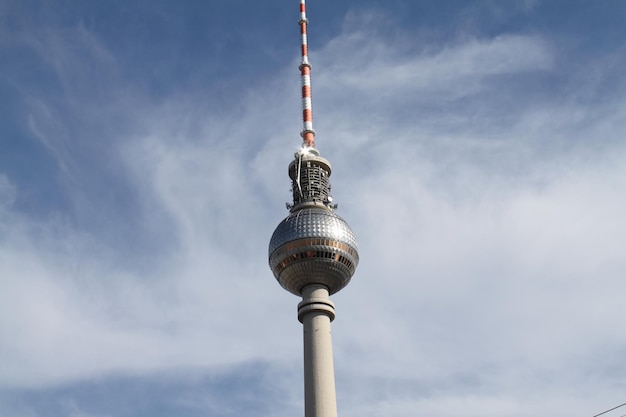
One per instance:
(358, 63)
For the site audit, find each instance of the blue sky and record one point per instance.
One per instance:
(479, 155)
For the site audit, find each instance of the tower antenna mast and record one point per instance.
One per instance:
(308, 134)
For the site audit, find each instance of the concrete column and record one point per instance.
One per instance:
(315, 312)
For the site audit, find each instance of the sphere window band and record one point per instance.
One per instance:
(289, 246)
(294, 252)
(314, 254)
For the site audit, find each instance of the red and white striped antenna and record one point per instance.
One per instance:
(308, 134)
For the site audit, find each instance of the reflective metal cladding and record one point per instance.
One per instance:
(313, 245)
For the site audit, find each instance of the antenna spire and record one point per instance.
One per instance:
(308, 134)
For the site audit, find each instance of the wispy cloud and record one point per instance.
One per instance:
(391, 70)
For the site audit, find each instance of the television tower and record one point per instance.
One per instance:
(313, 253)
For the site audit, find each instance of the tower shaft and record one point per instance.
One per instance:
(316, 311)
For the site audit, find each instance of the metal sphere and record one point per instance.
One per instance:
(313, 246)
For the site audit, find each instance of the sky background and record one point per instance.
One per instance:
(479, 154)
